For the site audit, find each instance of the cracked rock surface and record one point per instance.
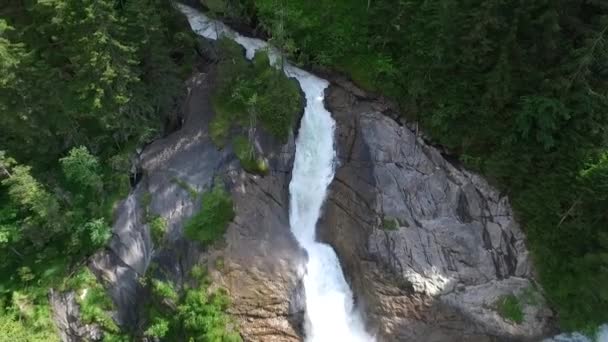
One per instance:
(429, 248)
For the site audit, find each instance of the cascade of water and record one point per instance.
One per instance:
(330, 311)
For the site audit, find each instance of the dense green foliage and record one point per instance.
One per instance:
(81, 84)
(195, 314)
(43, 231)
(26, 317)
(250, 93)
(44, 234)
(211, 221)
(518, 89)
(94, 73)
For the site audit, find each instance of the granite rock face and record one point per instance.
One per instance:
(258, 262)
(429, 248)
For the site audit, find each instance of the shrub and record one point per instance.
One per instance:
(390, 223)
(81, 169)
(211, 221)
(248, 156)
(510, 308)
(158, 229)
(156, 223)
(195, 314)
(15, 329)
(164, 290)
(158, 329)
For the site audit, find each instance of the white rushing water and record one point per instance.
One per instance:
(601, 336)
(330, 311)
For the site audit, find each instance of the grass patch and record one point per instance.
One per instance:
(510, 308)
(211, 221)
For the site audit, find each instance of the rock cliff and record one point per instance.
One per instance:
(430, 249)
(258, 260)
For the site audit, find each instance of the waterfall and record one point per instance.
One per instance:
(331, 315)
(330, 311)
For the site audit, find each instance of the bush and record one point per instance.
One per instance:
(156, 223)
(211, 221)
(158, 229)
(164, 290)
(247, 156)
(510, 308)
(82, 169)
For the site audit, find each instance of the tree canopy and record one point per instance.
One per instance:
(81, 84)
